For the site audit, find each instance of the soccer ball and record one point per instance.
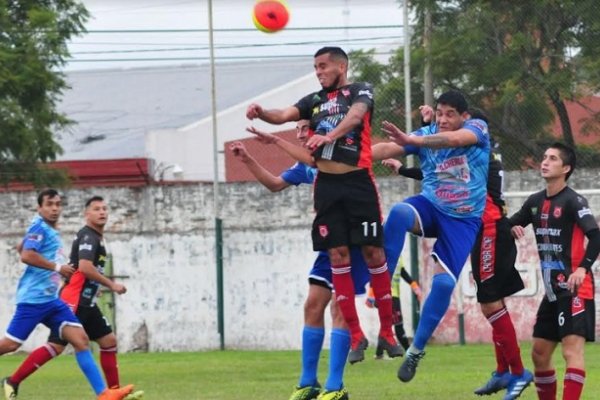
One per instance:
(270, 15)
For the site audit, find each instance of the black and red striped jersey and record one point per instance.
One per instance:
(495, 206)
(326, 109)
(80, 291)
(560, 223)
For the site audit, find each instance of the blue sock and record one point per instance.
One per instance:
(90, 370)
(340, 346)
(312, 343)
(400, 220)
(434, 308)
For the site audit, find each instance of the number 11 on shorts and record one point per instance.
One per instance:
(366, 228)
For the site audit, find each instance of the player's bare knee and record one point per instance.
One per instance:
(542, 359)
(339, 255)
(8, 346)
(77, 337)
(373, 255)
(58, 349)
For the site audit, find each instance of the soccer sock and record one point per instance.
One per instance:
(312, 343)
(382, 288)
(400, 220)
(340, 346)
(108, 362)
(344, 295)
(90, 370)
(401, 335)
(434, 308)
(545, 384)
(501, 363)
(573, 385)
(506, 336)
(35, 360)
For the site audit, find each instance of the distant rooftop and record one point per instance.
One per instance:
(114, 109)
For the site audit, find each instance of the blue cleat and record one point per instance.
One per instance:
(518, 383)
(497, 382)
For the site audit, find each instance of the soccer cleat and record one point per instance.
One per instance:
(392, 348)
(357, 352)
(137, 395)
(10, 390)
(116, 394)
(341, 394)
(408, 369)
(497, 382)
(306, 392)
(518, 383)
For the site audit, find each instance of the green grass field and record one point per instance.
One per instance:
(447, 372)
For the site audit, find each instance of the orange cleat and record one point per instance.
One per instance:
(116, 394)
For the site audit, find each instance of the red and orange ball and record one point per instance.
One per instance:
(270, 15)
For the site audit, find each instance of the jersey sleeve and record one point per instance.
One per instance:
(480, 129)
(88, 246)
(34, 237)
(410, 149)
(363, 93)
(583, 215)
(299, 173)
(523, 216)
(305, 105)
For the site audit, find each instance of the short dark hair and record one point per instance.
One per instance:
(455, 99)
(334, 52)
(49, 193)
(567, 155)
(93, 199)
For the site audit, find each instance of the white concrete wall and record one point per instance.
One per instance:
(162, 239)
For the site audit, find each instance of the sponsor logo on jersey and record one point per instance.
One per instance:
(365, 92)
(323, 231)
(557, 212)
(548, 231)
(583, 212)
(534, 210)
(345, 92)
(577, 305)
(35, 237)
(85, 246)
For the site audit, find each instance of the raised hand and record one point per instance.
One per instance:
(263, 137)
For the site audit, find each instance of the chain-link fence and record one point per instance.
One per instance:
(532, 68)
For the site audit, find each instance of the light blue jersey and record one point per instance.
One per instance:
(299, 173)
(455, 179)
(38, 285)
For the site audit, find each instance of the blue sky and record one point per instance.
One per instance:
(174, 31)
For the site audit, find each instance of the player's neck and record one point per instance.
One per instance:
(555, 186)
(97, 228)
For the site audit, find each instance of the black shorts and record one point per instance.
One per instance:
(348, 211)
(94, 323)
(493, 262)
(565, 316)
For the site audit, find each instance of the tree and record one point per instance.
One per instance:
(33, 49)
(519, 61)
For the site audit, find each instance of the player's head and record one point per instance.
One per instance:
(478, 113)
(302, 127)
(451, 111)
(49, 205)
(331, 67)
(96, 212)
(559, 160)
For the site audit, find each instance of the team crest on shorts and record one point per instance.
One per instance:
(323, 231)
(557, 212)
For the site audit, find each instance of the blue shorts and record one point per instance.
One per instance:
(55, 315)
(320, 274)
(455, 236)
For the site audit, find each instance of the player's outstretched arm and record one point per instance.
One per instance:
(88, 269)
(267, 179)
(296, 152)
(274, 116)
(35, 259)
(382, 151)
